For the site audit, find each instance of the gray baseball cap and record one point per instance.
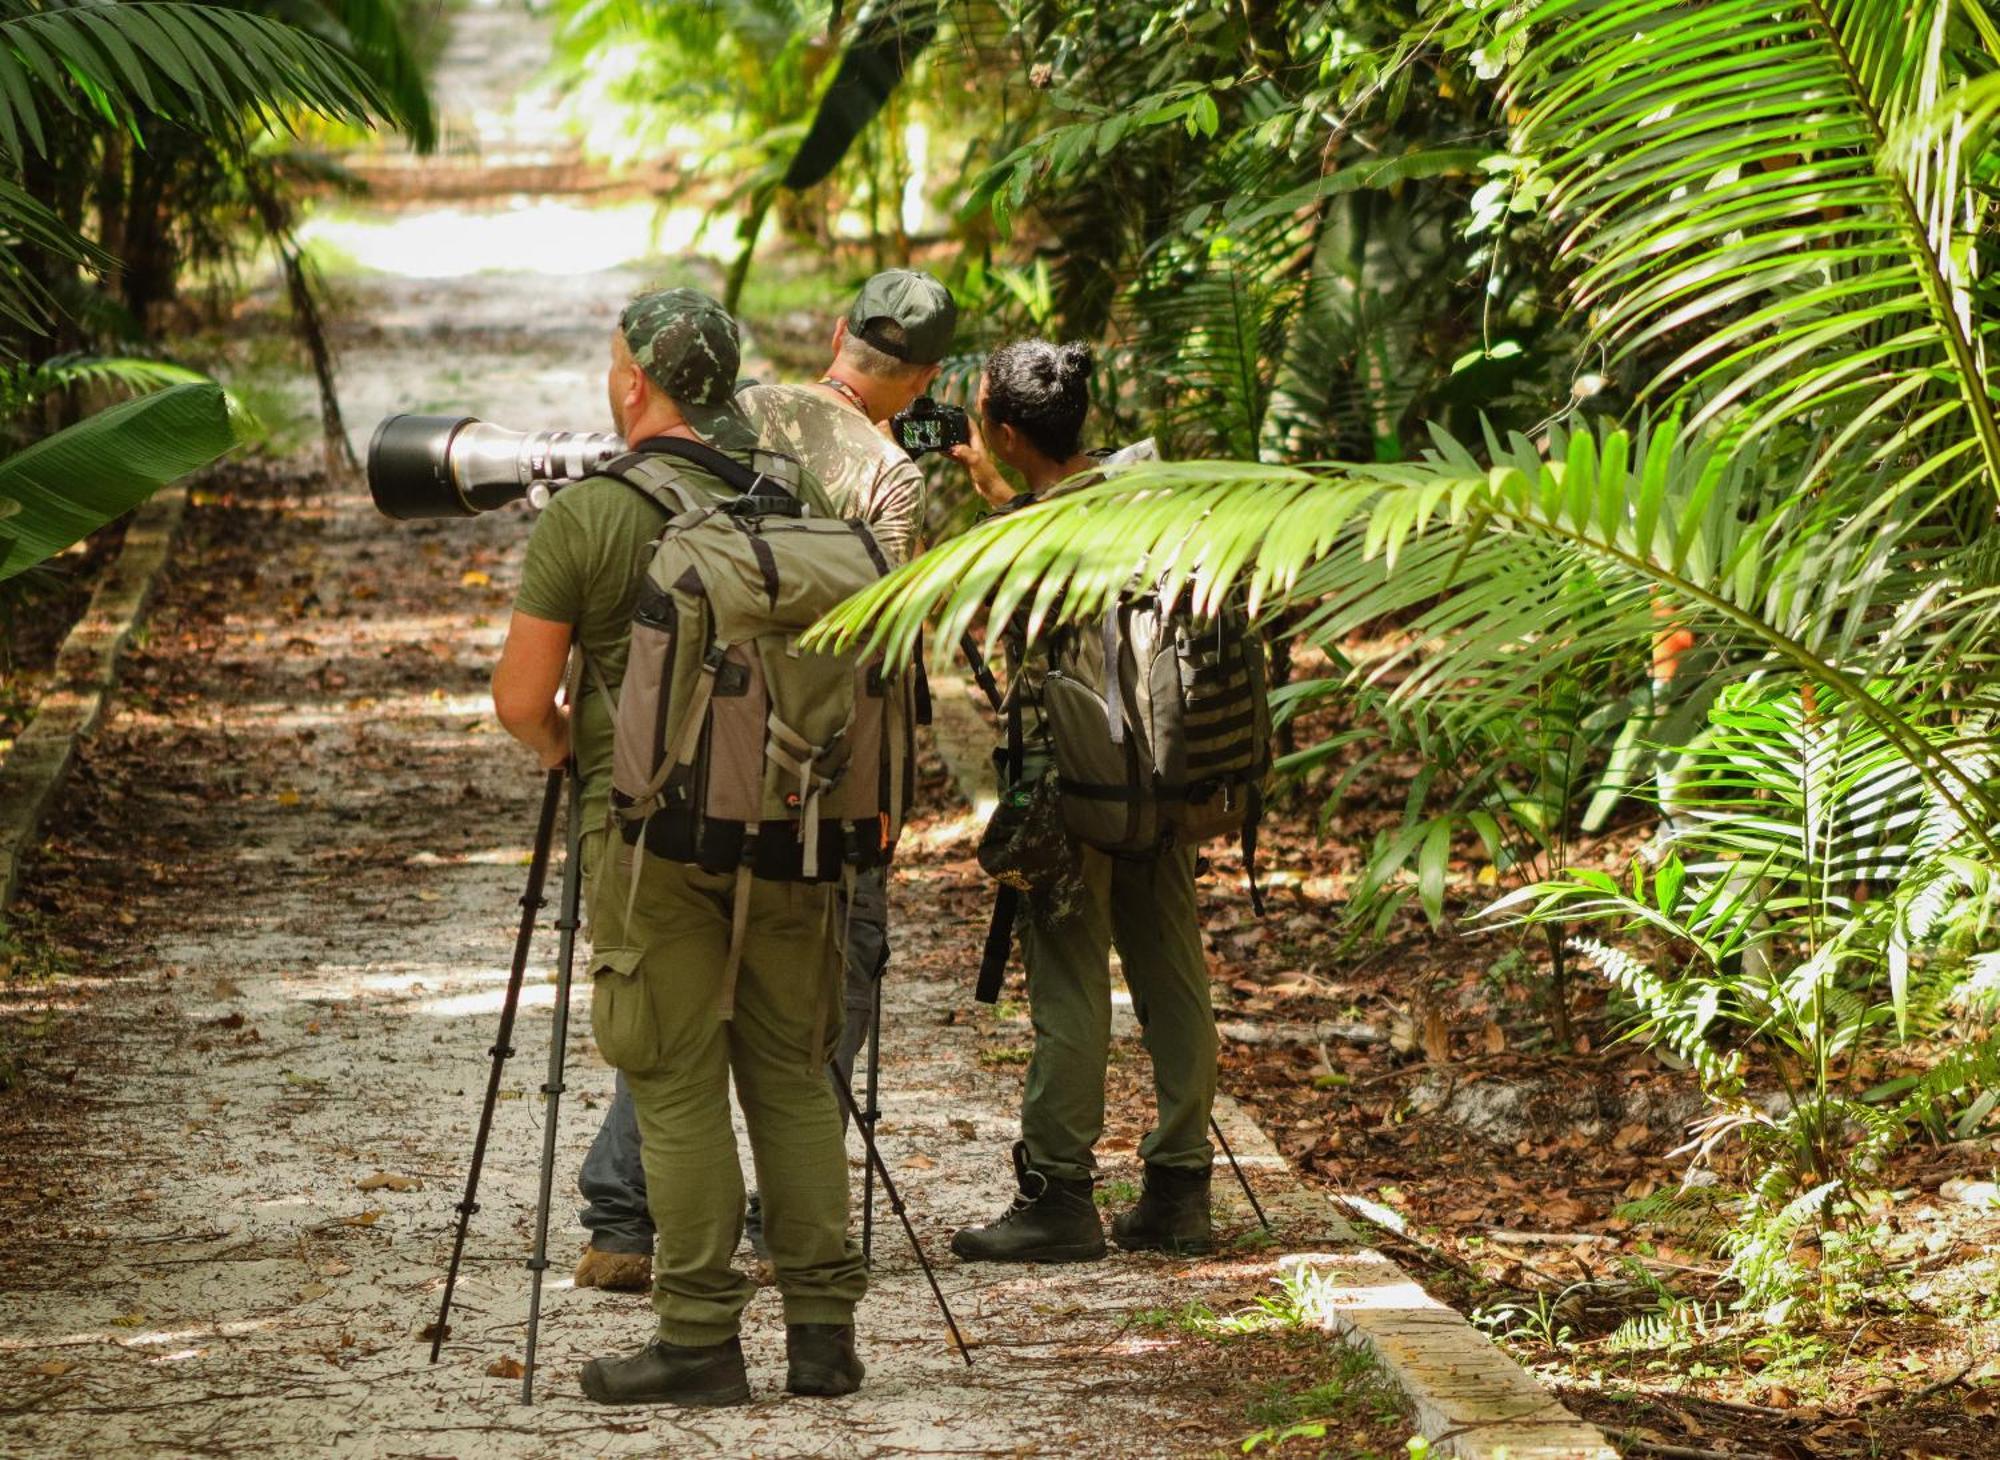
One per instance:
(905, 313)
(688, 346)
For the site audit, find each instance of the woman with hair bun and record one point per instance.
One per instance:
(1033, 401)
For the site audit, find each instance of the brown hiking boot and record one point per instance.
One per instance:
(671, 1373)
(1051, 1220)
(615, 1272)
(1171, 1215)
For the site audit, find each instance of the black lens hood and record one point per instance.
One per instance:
(409, 467)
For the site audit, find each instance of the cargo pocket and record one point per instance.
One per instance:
(622, 1018)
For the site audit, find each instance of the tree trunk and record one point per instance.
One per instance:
(271, 211)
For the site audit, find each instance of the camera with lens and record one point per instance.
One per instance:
(460, 466)
(924, 425)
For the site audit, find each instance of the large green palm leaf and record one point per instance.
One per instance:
(1649, 518)
(67, 485)
(153, 57)
(1739, 184)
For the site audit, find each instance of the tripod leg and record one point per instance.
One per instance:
(552, 1088)
(531, 904)
(1242, 1180)
(869, 1118)
(896, 1206)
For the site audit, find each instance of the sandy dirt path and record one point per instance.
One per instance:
(286, 879)
(289, 870)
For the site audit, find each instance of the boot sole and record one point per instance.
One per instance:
(737, 1393)
(1185, 1248)
(1044, 1255)
(816, 1383)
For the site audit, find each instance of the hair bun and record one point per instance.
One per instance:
(1074, 361)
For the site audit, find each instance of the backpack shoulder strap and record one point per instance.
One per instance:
(658, 481)
(757, 479)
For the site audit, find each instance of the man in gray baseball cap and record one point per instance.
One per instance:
(904, 313)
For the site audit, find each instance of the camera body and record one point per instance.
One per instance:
(924, 425)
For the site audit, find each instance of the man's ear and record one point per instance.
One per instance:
(635, 392)
(929, 379)
(839, 336)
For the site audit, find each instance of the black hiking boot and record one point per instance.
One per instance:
(1171, 1214)
(1052, 1220)
(671, 1373)
(820, 1359)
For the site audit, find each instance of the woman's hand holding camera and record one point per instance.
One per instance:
(986, 478)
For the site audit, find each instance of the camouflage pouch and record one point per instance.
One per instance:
(1025, 844)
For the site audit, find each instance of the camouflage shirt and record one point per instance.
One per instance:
(866, 474)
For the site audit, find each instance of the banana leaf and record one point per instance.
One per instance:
(68, 485)
(886, 41)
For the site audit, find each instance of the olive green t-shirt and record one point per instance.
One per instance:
(585, 560)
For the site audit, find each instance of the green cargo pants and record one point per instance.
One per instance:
(657, 1011)
(1145, 907)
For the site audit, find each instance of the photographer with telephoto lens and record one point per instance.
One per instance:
(1080, 900)
(886, 354)
(696, 974)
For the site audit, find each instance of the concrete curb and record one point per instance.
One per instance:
(86, 671)
(1471, 1400)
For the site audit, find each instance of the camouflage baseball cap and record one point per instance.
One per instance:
(687, 345)
(905, 313)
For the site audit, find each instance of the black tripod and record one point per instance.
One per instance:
(567, 922)
(552, 1088)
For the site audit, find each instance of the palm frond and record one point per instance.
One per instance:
(23, 385)
(152, 58)
(24, 221)
(1656, 516)
(1736, 179)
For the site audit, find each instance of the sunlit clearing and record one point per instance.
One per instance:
(491, 857)
(948, 831)
(549, 237)
(434, 705)
(406, 979)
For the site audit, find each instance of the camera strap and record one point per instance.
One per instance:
(1007, 898)
(853, 396)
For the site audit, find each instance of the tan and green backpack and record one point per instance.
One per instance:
(734, 748)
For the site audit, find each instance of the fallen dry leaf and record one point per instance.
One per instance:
(1635, 1134)
(362, 1219)
(54, 1368)
(314, 1290)
(506, 1367)
(388, 1181)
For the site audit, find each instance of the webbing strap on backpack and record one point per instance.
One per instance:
(1007, 900)
(747, 480)
(654, 480)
